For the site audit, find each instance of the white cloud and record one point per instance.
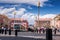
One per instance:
(10, 15)
(30, 17)
(10, 11)
(33, 2)
(6, 10)
(48, 16)
(21, 14)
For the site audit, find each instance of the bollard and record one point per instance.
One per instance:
(9, 31)
(48, 34)
(5, 31)
(15, 32)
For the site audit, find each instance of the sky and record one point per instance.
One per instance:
(28, 9)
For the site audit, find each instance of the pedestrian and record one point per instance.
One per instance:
(38, 30)
(16, 32)
(9, 31)
(2, 30)
(5, 31)
(42, 28)
(55, 30)
(43, 31)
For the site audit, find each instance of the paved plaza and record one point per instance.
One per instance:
(27, 36)
(18, 38)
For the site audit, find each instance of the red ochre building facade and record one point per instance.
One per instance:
(9, 22)
(4, 20)
(19, 21)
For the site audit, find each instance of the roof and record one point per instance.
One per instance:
(45, 19)
(3, 16)
(16, 18)
(21, 19)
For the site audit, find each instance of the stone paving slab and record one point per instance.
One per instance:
(18, 38)
(3, 35)
(32, 35)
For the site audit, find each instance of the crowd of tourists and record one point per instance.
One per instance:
(42, 30)
(38, 30)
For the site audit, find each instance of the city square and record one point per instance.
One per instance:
(29, 20)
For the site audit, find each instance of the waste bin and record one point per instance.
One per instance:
(48, 34)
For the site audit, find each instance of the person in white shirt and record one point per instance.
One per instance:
(38, 29)
(2, 30)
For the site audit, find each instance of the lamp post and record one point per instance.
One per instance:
(14, 16)
(16, 33)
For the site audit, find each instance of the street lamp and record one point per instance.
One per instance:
(14, 16)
